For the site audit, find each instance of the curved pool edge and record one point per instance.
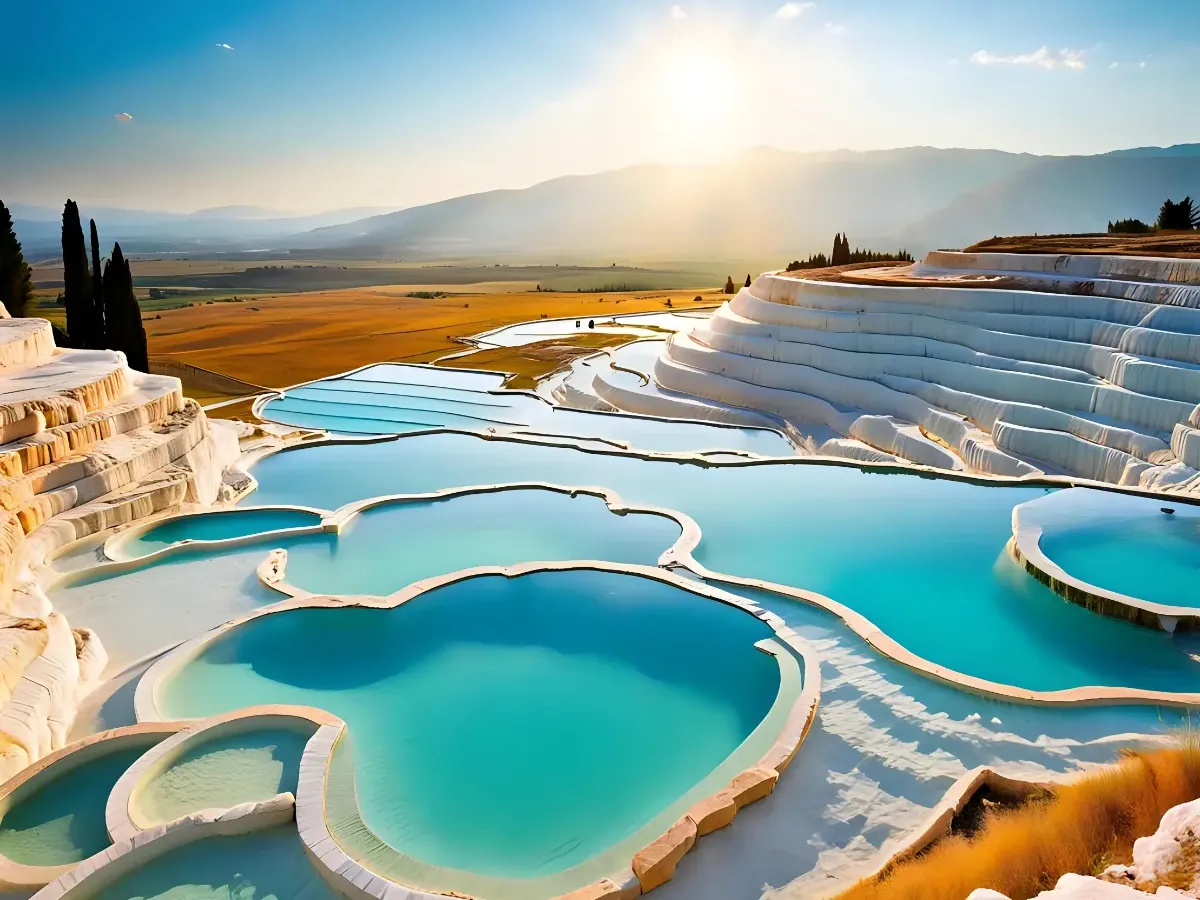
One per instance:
(699, 459)
(879, 640)
(258, 410)
(658, 858)
(19, 876)
(1025, 547)
(126, 856)
(115, 545)
(121, 814)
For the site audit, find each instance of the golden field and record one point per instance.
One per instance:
(282, 340)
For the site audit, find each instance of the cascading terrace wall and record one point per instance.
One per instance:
(1094, 372)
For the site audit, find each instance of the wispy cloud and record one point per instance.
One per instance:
(123, 117)
(835, 28)
(1042, 58)
(1113, 65)
(678, 12)
(224, 46)
(793, 10)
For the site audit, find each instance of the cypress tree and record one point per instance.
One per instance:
(97, 310)
(122, 315)
(16, 280)
(747, 281)
(729, 288)
(77, 284)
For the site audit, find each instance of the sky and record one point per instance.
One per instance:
(307, 105)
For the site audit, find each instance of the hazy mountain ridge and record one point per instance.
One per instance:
(763, 203)
(773, 202)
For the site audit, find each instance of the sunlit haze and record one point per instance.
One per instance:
(308, 105)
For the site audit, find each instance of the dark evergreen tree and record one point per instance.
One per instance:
(747, 281)
(96, 329)
(841, 251)
(77, 283)
(16, 281)
(729, 288)
(1181, 216)
(122, 316)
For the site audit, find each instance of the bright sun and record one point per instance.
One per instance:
(696, 95)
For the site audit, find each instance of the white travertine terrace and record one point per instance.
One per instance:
(86, 443)
(997, 364)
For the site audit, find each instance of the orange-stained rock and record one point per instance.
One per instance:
(655, 863)
(752, 785)
(713, 812)
(604, 889)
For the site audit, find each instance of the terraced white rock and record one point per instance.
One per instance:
(1082, 366)
(86, 444)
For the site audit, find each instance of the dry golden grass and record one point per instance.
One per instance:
(529, 364)
(1185, 244)
(1086, 826)
(286, 339)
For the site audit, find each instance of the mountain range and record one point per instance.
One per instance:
(762, 203)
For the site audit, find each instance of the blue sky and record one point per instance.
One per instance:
(314, 104)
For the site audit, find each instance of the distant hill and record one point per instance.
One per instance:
(1062, 196)
(220, 228)
(763, 204)
(771, 203)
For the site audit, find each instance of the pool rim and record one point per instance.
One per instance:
(1025, 547)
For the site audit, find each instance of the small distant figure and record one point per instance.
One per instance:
(591, 323)
(576, 323)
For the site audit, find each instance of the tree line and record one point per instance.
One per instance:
(1183, 215)
(842, 255)
(102, 310)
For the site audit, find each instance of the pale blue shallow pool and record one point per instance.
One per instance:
(380, 551)
(531, 723)
(923, 558)
(1148, 555)
(391, 399)
(218, 527)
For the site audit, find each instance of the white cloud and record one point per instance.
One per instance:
(793, 10)
(1113, 65)
(1042, 58)
(1141, 65)
(123, 117)
(224, 46)
(678, 12)
(835, 28)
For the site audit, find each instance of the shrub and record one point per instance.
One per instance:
(1129, 226)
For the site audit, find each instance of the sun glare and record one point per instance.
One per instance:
(697, 93)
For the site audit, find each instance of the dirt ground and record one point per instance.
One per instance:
(283, 340)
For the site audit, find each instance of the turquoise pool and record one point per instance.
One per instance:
(923, 558)
(388, 547)
(578, 704)
(391, 399)
(382, 550)
(1143, 553)
(217, 527)
(58, 816)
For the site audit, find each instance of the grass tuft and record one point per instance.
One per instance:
(1084, 827)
